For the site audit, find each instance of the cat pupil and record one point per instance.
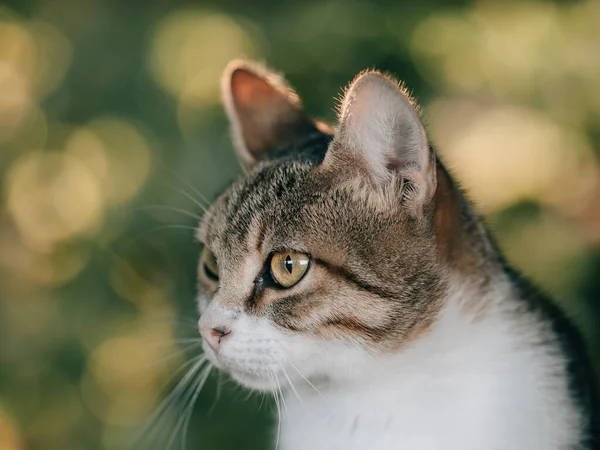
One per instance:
(288, 263)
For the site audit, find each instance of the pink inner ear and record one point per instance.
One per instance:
(267, 113)
(252, 92)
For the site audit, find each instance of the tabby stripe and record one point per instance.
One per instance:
(354, 279)
(355, 326)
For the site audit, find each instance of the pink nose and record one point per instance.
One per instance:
(213, 336)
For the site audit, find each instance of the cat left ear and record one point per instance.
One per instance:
(380, 135)
(265, 113)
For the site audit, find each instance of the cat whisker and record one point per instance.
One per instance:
(166, 403)
(186, 194)
(263, 395)
(241, 164)
(304, 378)
(281, 393)
(188, 184)
(185, 365)
(188, 340)
(185, 212)
(217, 394)
(248, 396)
(292, 386)
(278, 405)
(282, 367)
(183, 400)
(187, 320)
(189, 408)
(168, 357)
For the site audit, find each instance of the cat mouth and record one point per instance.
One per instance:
(251, 379)
(264, 376)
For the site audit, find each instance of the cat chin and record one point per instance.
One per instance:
(252, 381)
(246, 379)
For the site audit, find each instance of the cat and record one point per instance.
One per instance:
(347, 273)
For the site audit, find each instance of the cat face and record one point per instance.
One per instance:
(325, 254)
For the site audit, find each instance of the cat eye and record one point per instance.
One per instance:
(209, 264)
(288, 267)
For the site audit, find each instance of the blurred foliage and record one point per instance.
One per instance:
(111, 132)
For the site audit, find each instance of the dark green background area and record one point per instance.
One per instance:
(82, 312)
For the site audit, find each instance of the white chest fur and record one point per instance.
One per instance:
(467, 385)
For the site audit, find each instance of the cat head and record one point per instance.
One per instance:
(327, 252)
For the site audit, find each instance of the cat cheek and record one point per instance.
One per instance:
(202, 301)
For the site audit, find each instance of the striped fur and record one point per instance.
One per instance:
(409, 321)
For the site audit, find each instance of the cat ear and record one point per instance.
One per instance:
(380, 131)
(265, 113)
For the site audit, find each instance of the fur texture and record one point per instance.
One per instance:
(408, 331)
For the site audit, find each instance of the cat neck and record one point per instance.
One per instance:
(470, 256)
(462, 370)
(468, 326)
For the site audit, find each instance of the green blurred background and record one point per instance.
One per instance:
(110, 122)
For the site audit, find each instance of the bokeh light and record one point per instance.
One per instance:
(120, 385)
(190, 49)
(118, 155)
(33, 59)
(526, 51)
(52, 197)
(506, 154)
(10, 438)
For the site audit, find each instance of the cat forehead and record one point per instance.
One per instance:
(292, 205)
(308, 211)
(277, 183)
(271, 193)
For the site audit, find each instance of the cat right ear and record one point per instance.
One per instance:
(265, 113)
(380, 133)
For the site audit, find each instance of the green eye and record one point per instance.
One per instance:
(288, 267)
(209, 263)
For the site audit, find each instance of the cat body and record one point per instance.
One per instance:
(348, 274)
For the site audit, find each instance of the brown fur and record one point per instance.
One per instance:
(391, 236)
(375, 271)
(268, 114)
(382, 254)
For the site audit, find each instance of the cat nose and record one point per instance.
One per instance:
(213, 336)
